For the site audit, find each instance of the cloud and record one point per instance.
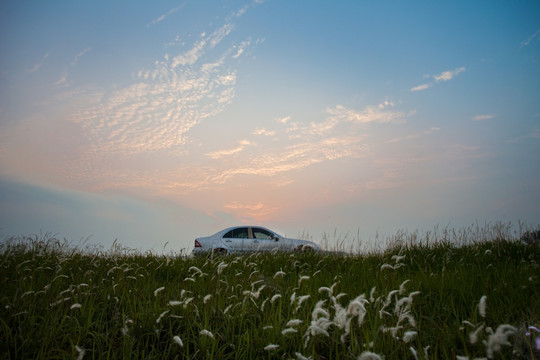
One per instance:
(156, 112)
(483, 117)
(79, 55)
(162, 17)
(264, 132)
(449, 75)
(38, 65)
(443, 76)
(258, 211)
(370, 114)
(227, 152)
(206, 43)
(421, 87)
(284, 119)
(241, 48)
(528, 41)
(417, 135)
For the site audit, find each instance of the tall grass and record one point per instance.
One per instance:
(423, 297)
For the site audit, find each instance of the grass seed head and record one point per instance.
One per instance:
(271, 347)
(158, 290)
(177, 340)
(482, 306)
(368, 355)
(207, 333)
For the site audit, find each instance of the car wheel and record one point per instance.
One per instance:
(307, 249)
(220, 251)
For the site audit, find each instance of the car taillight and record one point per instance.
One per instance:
(197, 243)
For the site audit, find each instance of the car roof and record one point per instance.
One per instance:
(242, 226)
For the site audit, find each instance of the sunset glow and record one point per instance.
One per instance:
(159, 122)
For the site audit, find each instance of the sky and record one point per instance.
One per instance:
(152, 123)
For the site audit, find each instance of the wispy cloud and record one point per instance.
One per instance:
(284, 119)
(38, 65)
(421, 87)
(164, 16)
(227, 152)
(416, 135)
(443, 76)
(449, 75)
(380, 113)
(79, 55)
(264, 132)
(205, 43)
(157, 111)
(259, 211)
(483, 117)
(528, 41)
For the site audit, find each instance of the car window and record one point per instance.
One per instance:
(262, 234)
(238, 233)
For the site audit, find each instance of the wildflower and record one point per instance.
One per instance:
(197, 270)
(293, 297)
(158, 290)
(271, 347)
(268, 327)
(482, 306)
(222, 265)
(125, 329)
(294, 322)
(473, 337)
(75, 306)
(528, 333)
(189, 279)
(207, 333)
(27, 293)
(372, 294)
(398, 258)
(368, 355)
(409, 336)
(413, 351)
(227, 309)
(495, 341)
(301, 357)
(174, 303)
(279, 273)
(161, 316)
(289, 331)
(255, 283)
(328, 290)
(207, 298)
(188, 300)
(301, 299)
(402, 287)
(387, 266)
(319, 310)
(304, 277)
(274, 298)
(81, 352)
(177, 340)
(255, 294)
(356, 308)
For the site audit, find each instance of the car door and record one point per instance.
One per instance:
(263, 239)
(236, 239)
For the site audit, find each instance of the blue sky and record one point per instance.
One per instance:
(155, 122)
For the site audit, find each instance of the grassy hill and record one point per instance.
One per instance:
(421, 297)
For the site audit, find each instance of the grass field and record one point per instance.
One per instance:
(429, 296)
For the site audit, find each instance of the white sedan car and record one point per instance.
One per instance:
(242, 239)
